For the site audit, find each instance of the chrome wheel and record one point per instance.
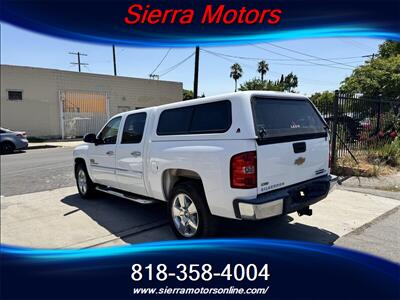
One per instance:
(82, 182)
(185, 215)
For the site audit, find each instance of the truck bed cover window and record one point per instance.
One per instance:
(285, 118)
(215, 117)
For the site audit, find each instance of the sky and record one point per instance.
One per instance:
(302, 57)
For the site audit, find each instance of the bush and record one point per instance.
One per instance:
(388, 154)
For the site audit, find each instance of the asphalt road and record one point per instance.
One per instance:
(36, 170)
(379, 237)
(60, 218)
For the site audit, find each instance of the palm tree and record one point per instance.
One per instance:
(236, 73)
(263, 68)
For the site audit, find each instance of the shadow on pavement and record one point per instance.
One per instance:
(281, 227)
(137, 223)
(119, 216)
(15, 152)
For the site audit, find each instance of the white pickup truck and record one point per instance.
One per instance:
(248, 155)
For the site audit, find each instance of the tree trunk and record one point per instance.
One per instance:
(262, 76)
(235, 85)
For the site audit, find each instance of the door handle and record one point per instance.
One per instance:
(136, 153)
(110, 152)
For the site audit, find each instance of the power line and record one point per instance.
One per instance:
(231, 60)
(170, 69)
(159, 64)
(269, 60)
(225, 58)
(309, 55)
(303, 79)
(354, 43)
(79, 63)
(279, 59)
(300, 59)
(232, 56)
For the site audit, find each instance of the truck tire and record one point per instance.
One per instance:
(85, 185)
(7, 147)
(188, 213)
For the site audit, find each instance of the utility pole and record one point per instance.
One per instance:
(372, 56)
(115, 61)
(79, 63)
(196, 73)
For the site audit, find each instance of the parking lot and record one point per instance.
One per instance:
(40, 207)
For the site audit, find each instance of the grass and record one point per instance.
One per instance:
(373, 162)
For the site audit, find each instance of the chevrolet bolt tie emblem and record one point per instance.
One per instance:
(299, 161)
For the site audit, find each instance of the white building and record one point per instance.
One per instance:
(55, 103)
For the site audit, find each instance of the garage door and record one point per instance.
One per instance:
(82, 112)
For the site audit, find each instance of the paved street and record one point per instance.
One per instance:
(41, 208)
(36, 170)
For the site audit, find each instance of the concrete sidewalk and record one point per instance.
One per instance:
(387, 186)
(64, 144)
(61, 219)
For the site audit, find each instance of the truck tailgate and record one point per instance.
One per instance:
(278, 165)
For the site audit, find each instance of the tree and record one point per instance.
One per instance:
(257, 84)
(254, 84)
(285, 83)
(378, 76)
(388, 49)
(322, 97)
(290, 82)
(323, 101)
(187, 95)
(262, 68)
(236, 73)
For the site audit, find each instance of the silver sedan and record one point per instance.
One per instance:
(12, 140)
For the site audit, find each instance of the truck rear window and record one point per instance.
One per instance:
(214, 117)
(285, 117)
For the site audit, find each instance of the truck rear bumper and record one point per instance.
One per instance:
(286, 200)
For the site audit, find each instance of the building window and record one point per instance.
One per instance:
(14, 95)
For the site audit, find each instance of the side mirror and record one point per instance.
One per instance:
(90, 138)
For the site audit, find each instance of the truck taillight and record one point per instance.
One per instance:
(244, 170)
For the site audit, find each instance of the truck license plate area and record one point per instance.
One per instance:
(301, 195)
(309, 192)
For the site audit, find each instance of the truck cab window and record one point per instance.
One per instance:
(133, 128)
(110, 132)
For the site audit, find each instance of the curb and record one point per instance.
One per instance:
(41, 147)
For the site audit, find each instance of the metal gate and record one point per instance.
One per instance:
(82, 112)
(359, 124)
